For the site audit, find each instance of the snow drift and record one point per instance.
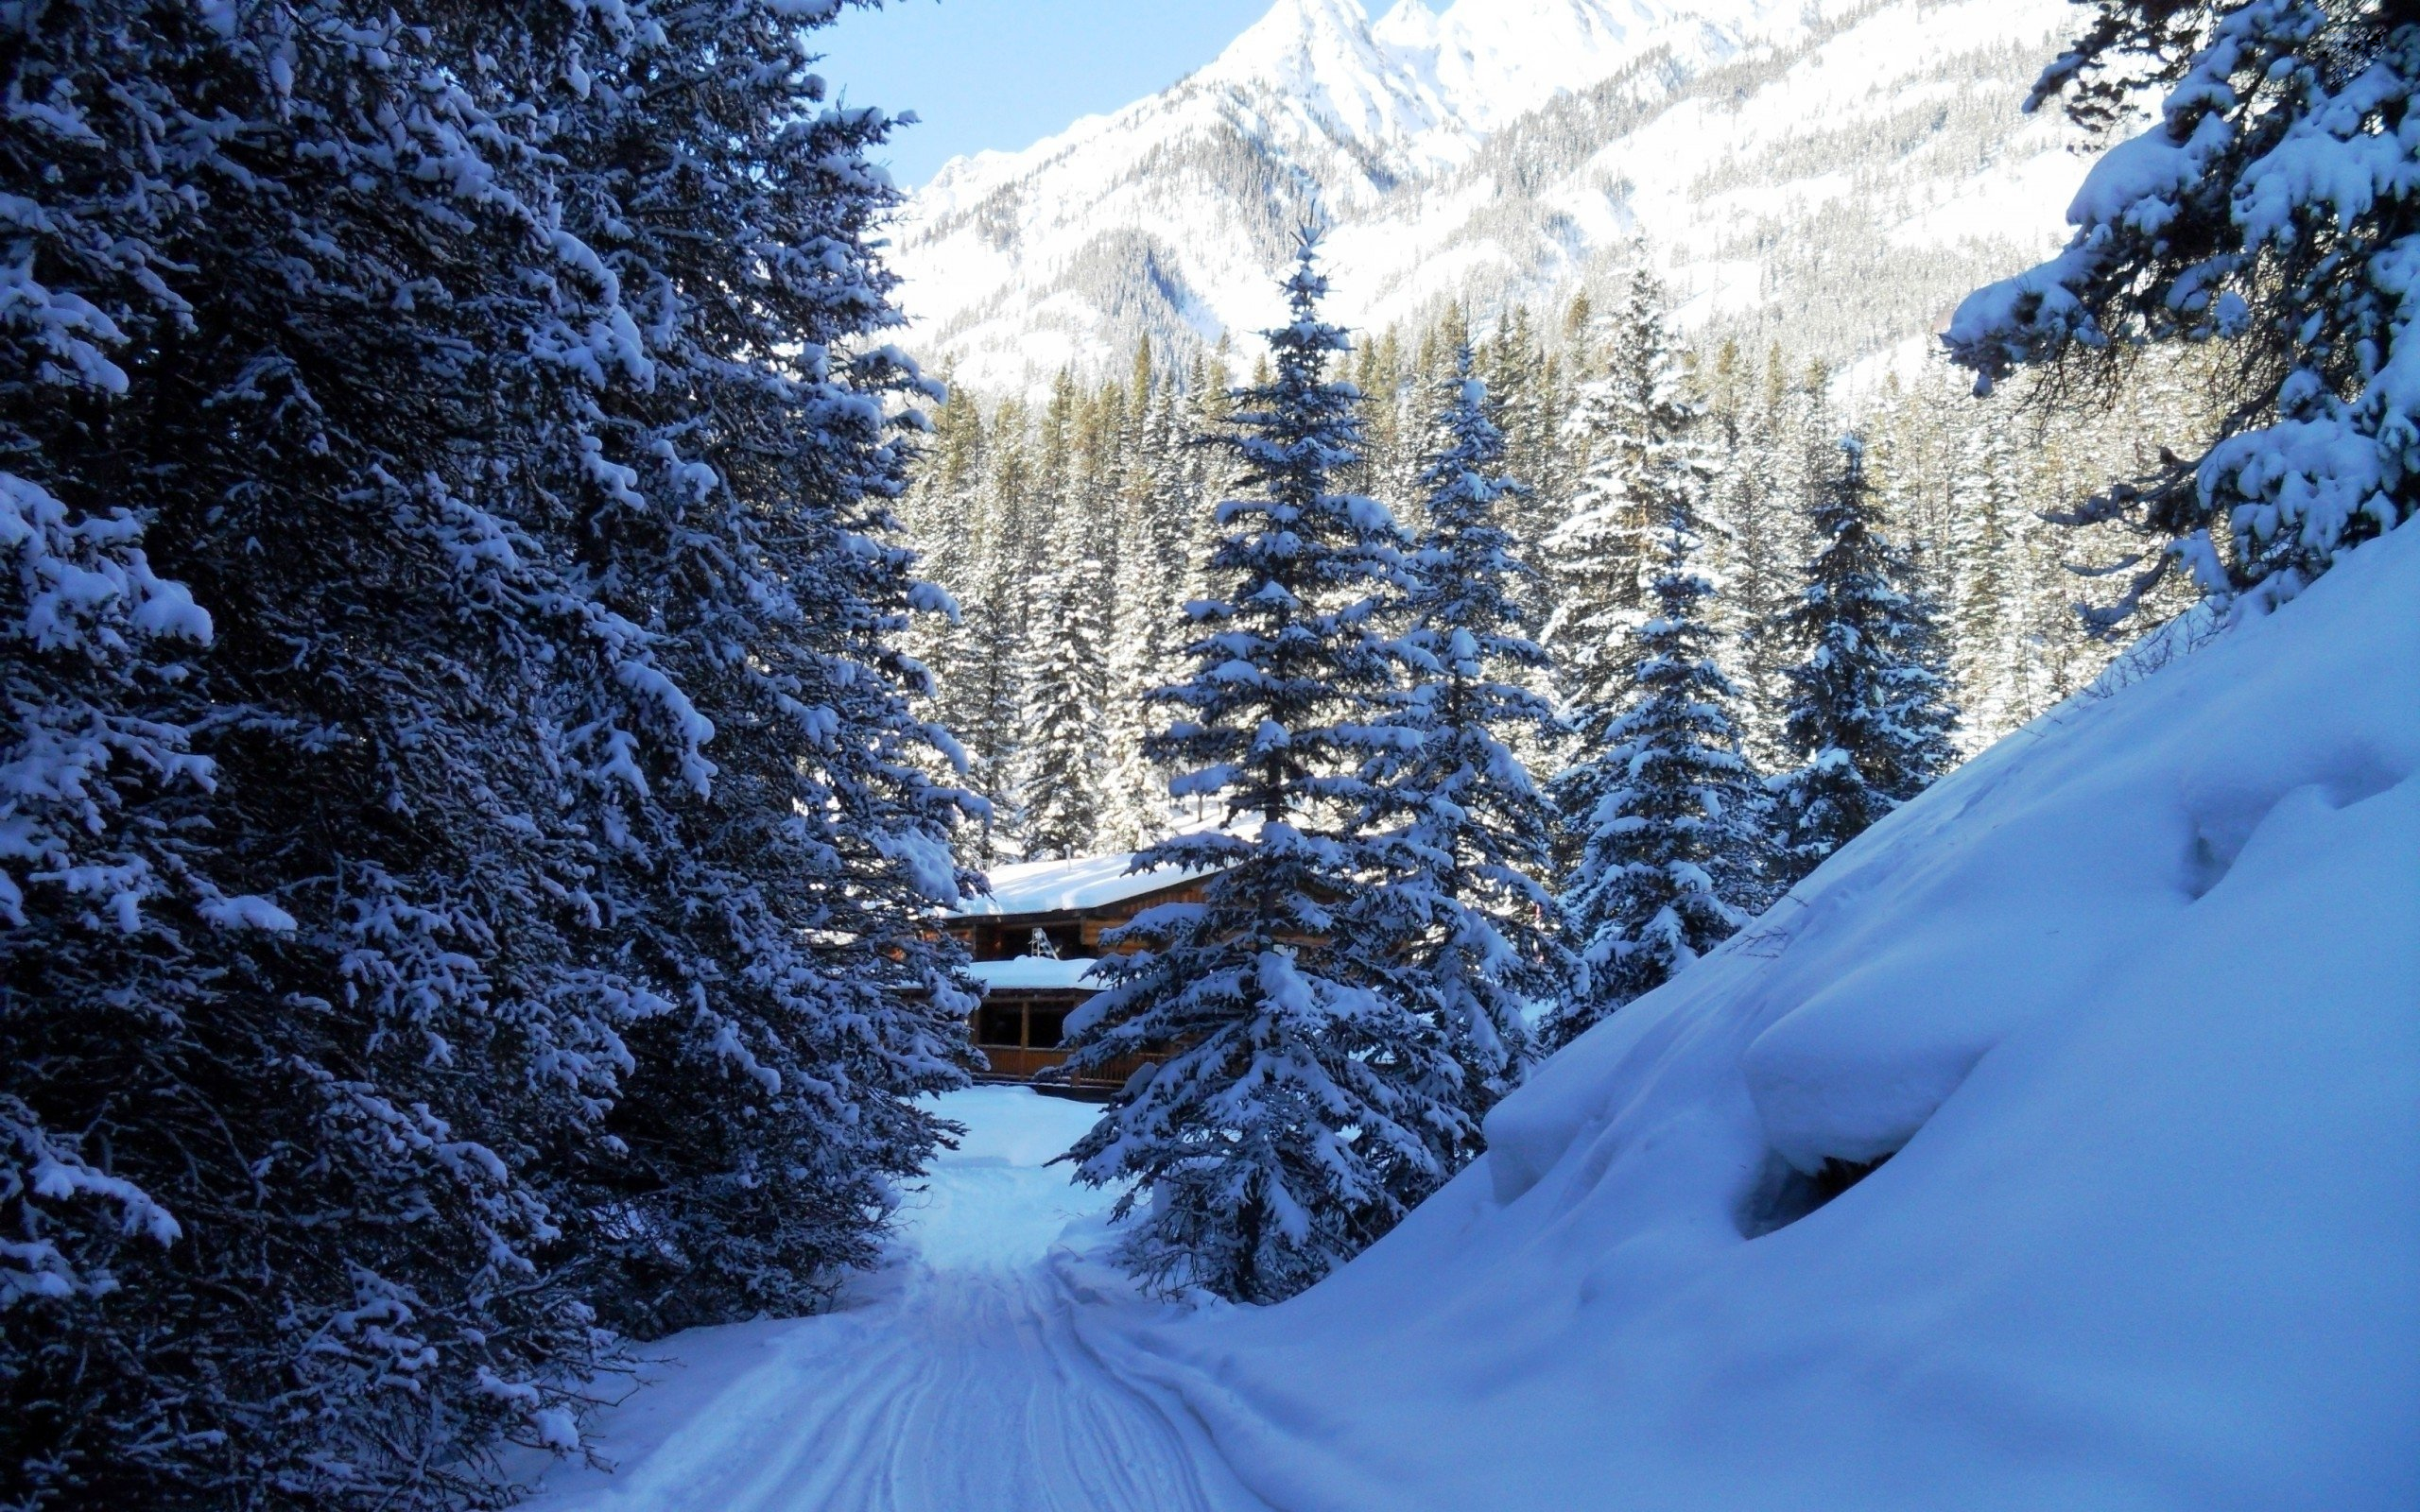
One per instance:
(2132, 1005)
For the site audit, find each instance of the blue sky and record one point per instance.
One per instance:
(1008, 72)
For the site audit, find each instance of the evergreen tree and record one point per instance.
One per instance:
(1869, 714)
(468, 845)
(1058, 777)
(987, 695)
(1145, 595)
(1660, 808)
(1986, 538)
(1634, 425)
(1123, 495)
(1287, 1116)
(1380, 374)
(935, 512)
(777, 887)
(270, 681)
(2278, 233)
(1478, 834)
(1786, 436)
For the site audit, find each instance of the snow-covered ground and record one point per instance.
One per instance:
(957, 1381)
(2135, 997)
(2132, 1003)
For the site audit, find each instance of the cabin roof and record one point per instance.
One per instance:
(1064, 887)
(1038, 973)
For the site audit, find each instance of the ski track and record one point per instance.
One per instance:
(967, 1387)
(971, 1391)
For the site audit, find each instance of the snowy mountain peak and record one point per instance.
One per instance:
(1497, 152)
(1320, 56)
(1410, 28)
(1295, 33)
(1470, 68)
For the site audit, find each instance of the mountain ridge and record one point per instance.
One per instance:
(1513, 153)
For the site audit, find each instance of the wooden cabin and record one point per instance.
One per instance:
(1034, 942)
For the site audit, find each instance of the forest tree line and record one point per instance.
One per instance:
(1072, 529)
(1485, 708)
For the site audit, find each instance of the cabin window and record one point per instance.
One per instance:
(991, 943)
(1049, 1027)
(999, 1025)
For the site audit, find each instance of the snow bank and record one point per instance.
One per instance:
(2132, 1004)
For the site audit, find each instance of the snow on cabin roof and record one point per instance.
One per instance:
(1040, 973)
(1058, 886)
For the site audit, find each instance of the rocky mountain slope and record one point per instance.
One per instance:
(1836, 175)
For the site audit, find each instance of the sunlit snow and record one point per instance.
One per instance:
(960, 1379)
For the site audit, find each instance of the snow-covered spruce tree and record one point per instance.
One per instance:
(2273, 208)
(1480, 834)
(1289, 1113)
(295, 985)
(1869, 714)
(1144, 599)
(1636, 427)
(986, 698)
(1987, 538)
(773, 867)
(1757, 428)
(510, 899)
(1662, 811)
(1059, 775)
(936, 513)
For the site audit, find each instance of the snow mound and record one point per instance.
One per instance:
(2132, 1006)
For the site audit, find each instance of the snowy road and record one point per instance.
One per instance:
(961, 1382)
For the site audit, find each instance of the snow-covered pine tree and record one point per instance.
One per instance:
(1514, 366)
(1207, 474)
(1144, 610)
(1748, 424)
(2270, 207)
(1274, 1139)
(1869, 714)
(772, 867)
(1526, 388)
(1059, 776)
(1379, 371)
(492, 898)
(981, 697)
(1630, 427)
(1787, 443)
(287, 1008)
(1987, 538)
(1478, 834)
(1660, 809)
(936, 513)
(1910, 434)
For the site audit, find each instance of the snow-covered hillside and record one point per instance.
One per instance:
(1856, 165)
(2132, 1004)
